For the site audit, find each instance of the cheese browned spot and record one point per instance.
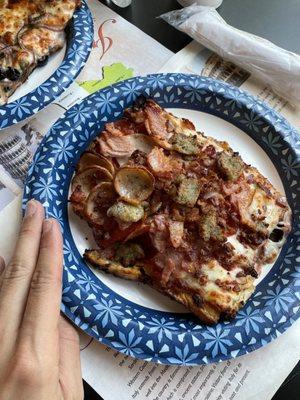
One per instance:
(206, 225)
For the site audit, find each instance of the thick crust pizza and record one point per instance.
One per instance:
(179, 211)
(30, 31)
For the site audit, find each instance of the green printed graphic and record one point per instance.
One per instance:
(111, 74)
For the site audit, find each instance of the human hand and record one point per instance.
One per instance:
(39, 356)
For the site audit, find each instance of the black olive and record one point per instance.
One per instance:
(43, 61)
(2, 75)
(276, 235)
(12, 74)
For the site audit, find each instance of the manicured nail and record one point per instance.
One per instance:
(47, 226)
(30, 208)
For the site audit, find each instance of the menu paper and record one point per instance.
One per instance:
(254, 376)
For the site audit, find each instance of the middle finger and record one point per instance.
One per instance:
(41, 317)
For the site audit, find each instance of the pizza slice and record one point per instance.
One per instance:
(30, 31)
(179, 211)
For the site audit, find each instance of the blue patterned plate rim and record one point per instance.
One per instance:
(79, 45)
(138, 331)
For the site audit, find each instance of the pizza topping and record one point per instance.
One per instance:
(188, 192)
(134, 184)
(138, 229)
(126, 212)
(277, 235)
(165, 265)
(89, 178)
(176, 229)
(163, 166)
(89, 159)
(208, 225)
(156, 125)
(142, 142)
(155, 202)
(192, 214)
(128, 253)
(98, 201)
(159, 232)
(115, 145)
(138, 157)
(10, 73)
(114, 235)
(119, 145)
(77, 199)
(251, 237)
(185, 144)
(230, 165)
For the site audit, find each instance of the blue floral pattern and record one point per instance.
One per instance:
(139, 331)
(78, 49)
(217, 340)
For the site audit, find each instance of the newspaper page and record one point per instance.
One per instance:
(115, 376)
(113, 58)
(197, 59)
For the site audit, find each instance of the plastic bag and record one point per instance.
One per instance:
(273, 65)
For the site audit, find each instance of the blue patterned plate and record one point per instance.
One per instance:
(132, 318)
(79, 44)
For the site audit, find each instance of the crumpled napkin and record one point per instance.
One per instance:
(273, 65)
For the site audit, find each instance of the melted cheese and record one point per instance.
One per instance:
(240, 249)
(12, 19)
(264, 206)
(212, 291)
(43, 41)
(14, 15)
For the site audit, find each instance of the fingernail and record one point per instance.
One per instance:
(30, 208)
(47, 226)
(2, 265)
